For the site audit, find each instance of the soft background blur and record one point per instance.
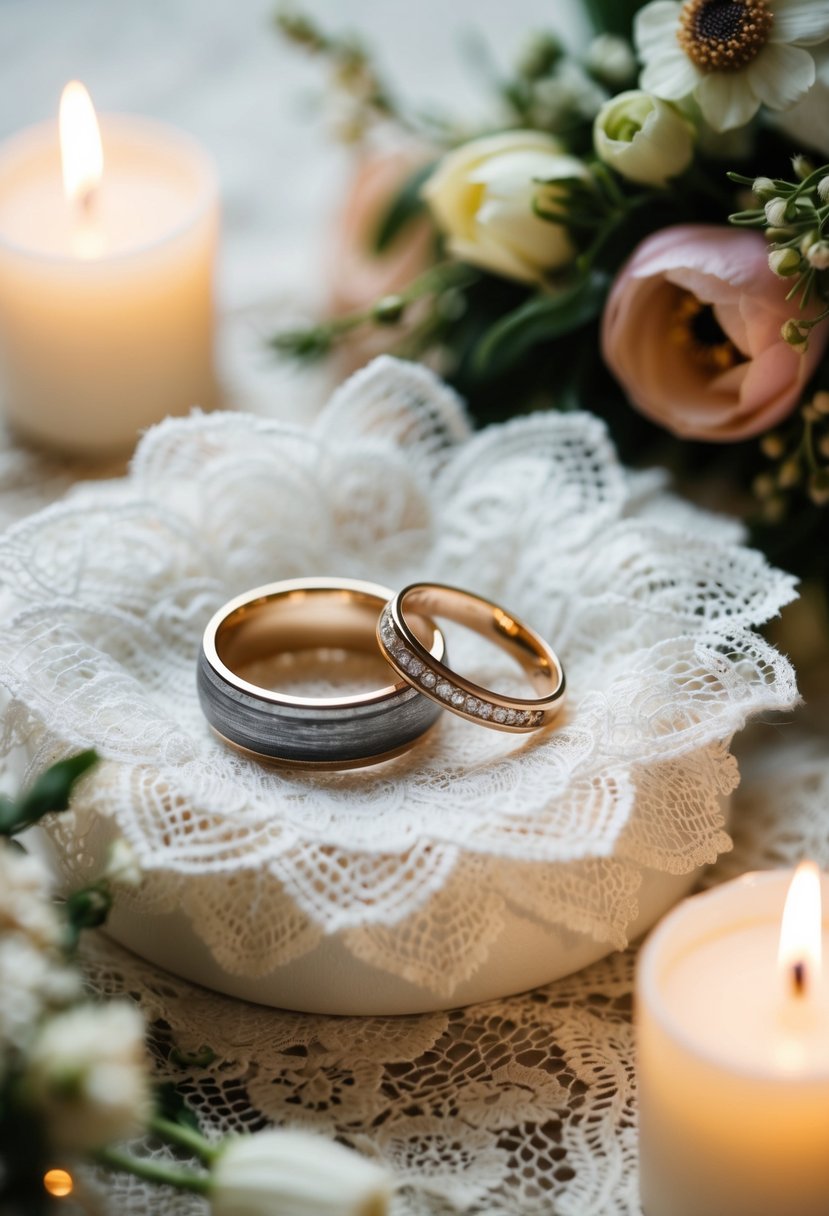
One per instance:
(218, 69)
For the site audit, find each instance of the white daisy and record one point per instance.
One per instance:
(733, 55)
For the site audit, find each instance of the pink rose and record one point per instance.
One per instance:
(359, 276)
(692, 332)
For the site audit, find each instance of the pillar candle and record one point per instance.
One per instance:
(733, 1054)
(106, 284)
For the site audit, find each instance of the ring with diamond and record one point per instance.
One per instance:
(329, 618)
(410, 659)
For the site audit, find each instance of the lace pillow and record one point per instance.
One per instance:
(414, 866)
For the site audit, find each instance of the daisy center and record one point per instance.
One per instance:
(695, 328)
(723, 35)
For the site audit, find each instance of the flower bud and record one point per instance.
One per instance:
(772, 446)
(802, 167)
(539, 56)
(789, 474)
(483, 194)
(296, 1174)
(792, 333)
(763, 485)
(821, 401)
(389, 310)
(784, 262)
(643, 138)
(87, 1076)
(817, 255)
(611, 60)
(777, 212)
(764, 188)
(819, 487)
(823, 189)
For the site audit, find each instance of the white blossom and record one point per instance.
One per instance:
(482, 196)
(645, 139)
(87, 1075)
(25, 899)
(295, 1173)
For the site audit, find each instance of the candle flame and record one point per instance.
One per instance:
(81, 153)
(799, 955)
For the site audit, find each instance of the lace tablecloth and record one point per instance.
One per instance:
(514, 1107)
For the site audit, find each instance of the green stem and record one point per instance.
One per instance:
(184, 1137)
(157, 1172)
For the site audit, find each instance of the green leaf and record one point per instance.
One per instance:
(541, 319)
(405, 205)
(52, 790)
(170, 1105)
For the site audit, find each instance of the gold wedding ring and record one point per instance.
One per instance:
(329, 617)
(413, 661)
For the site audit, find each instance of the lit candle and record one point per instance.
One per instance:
(107, 246)
(733, 1052)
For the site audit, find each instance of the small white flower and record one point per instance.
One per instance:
(122, 865)
(817, 255)
(823, 189)
(296, 1174)
(784, 262)
(32, 981)
(611, 59)
(643, 138)
(569, 92)
(764, 188)
(25, 899)
(481, 196)
(775, 210)
(87, 1076)
(733, 57)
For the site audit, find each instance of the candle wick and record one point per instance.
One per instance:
(86, 202)
(799, 978)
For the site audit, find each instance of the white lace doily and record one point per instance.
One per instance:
(651, 604)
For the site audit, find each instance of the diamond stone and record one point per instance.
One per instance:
(404, 658)
(500, 715)
(458, 699)
(415, 667)
(428, 679)
(485, 711)
(444, 690)
(521, 718)
(472, 705)
(511, 716)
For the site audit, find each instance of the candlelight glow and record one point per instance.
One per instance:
(58, 1183)
(81, 154)
(799, 955)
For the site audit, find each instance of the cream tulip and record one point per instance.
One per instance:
(644, 139)
(296, 1173)
(482, 197)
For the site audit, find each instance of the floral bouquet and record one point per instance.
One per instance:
(642, 232)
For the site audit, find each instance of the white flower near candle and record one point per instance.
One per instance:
(296, 1174)
(733, 1044)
